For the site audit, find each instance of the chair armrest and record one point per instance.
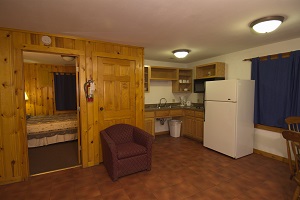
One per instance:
(145, 139)
(142, 138)
(109, 149)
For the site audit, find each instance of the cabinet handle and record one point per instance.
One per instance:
(101, 108)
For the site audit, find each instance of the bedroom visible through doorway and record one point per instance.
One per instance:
(52, 132)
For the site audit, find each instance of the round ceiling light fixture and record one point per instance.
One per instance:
(68, 58)
(181, 53)
(266, 24)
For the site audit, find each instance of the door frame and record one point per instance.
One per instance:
(80, 58)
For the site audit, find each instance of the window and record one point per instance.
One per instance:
(277, 89)
(65, 91)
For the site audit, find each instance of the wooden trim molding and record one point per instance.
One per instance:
(269, 155)
(273, 57)
(58, 170)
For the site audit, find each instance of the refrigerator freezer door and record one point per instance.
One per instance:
(221, 90)
(220, 127)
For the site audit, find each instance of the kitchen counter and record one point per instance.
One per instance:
(151, 107)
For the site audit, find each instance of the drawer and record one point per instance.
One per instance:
(189, 113)
(149, 114)
(176, 112)
(162, 113)
(199, 114)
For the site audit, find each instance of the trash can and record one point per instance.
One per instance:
(175, 126)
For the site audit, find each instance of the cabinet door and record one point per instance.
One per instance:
(188, 126)
(149, 125)
(175, 113)
(199, 128)
(162, 113)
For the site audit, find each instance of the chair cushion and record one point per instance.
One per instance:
(120, 133)
(130, 149)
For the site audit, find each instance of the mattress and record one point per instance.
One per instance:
(44, 130)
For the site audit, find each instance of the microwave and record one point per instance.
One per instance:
(199, 84)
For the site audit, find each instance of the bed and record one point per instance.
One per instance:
(50, 129)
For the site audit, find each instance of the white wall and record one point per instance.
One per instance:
(163, 89)
(236, 68)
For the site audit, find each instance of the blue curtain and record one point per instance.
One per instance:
(277, 89)
(65, 91)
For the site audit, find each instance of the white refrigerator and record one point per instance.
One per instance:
(229, 109)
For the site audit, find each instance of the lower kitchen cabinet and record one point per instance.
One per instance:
(199, 122)
(193, 124)
(149, 123)
(188, 126)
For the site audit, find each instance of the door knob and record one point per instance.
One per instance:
(101, 108)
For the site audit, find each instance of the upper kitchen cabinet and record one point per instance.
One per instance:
(147, 74)
(211, 70)
(164, 73)
(184, 81)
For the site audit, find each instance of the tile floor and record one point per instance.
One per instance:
(181, 169)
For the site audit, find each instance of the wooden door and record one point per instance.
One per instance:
(116, 85)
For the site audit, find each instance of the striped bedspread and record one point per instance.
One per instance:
(50, 125)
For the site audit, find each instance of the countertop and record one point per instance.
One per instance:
(151, 107)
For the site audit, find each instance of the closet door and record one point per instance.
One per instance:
(116, 85)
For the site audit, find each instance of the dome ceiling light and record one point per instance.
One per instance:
(68, 58)
(181, 53)
(266, 24)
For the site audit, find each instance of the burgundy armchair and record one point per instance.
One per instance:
(126, 150)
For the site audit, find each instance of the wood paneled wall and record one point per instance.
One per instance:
(39, 87)
(13, 139)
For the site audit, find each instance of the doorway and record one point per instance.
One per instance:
(53, 134)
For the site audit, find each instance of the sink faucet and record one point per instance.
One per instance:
(160, 103)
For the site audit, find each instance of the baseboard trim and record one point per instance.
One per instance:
(269, 155)
(162, 133)
(193, 138)
(55, 171)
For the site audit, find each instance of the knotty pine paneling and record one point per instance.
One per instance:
(39, 87)
(10, 130)
(13, 81)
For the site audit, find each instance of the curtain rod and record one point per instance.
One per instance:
(274, 56)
